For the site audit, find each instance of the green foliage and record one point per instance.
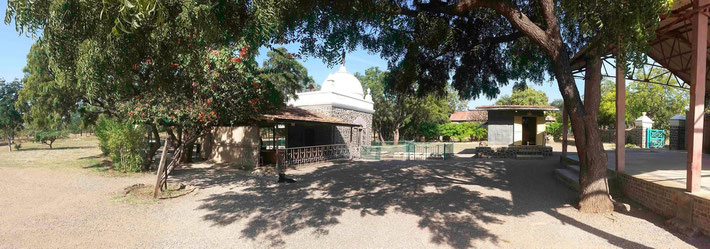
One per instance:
(461, 131)
(123, 142)
(405, 113)
(555, 130)
(429, 131)
(557, 114)
(184, 64)
(51, 95)
(286, 72)
(18, 146)
(10, 117)
(660, 103)
(103, 126)
(49, 136)
(524, 96)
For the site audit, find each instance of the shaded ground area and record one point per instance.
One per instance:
(417, 204)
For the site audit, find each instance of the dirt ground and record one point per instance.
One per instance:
(63, 200)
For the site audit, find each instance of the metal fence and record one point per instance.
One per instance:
(407, 151)
(313, 154)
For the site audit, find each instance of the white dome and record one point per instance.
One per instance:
(342, 82)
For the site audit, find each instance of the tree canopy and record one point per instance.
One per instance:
(474, 45)
(402, 114)
(10, 118)
(524, 96)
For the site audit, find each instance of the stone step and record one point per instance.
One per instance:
(568, 176)
(574, 168)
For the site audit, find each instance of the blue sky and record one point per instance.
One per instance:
(15, 48)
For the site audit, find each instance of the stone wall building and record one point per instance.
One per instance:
(332, 123)
(342, 96)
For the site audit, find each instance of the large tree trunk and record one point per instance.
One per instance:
(395, 136)
(153, 148)
(594, 197)
(187, 154)
(9, 141)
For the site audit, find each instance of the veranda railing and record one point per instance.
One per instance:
(313, 154)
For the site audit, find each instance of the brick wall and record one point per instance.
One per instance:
(668, 202)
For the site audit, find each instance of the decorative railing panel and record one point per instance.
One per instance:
(655, 138)
(313, 154)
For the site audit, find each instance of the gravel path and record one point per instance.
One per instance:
(457, 203)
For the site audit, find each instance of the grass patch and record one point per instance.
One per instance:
(72, 153)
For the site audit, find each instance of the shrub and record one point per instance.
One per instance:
(18, 146)
(48, 137)
(123, 142)
(555, 130)
(462, 131)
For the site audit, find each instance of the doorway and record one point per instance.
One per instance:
(529, 130)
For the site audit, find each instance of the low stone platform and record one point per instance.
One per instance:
(656, 179)
(521, 152)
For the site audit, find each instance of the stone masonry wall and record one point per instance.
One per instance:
(636, 136)
(360, 135)
(677, 138)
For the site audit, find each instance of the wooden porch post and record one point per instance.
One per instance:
(620, 117)
(697, 98)
(565, 127)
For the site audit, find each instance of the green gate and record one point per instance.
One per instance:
(655, 138)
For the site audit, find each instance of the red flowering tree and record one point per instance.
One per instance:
(182, 65)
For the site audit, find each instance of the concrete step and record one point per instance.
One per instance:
(571, 160)
(574, 168)
(568, 176)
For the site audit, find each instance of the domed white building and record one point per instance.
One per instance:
(342, 96)
(331, 124)
(340, 90)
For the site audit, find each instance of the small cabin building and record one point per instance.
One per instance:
(516, 124)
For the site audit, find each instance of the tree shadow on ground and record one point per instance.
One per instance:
(442, 194)
(58, 148)
(451, 199)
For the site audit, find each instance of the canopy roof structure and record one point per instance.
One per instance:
(680, 47)
(295, 114)
(672, 49)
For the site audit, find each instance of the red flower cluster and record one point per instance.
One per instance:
(254, 101)
(148, 60)
(237, 60)
(256, 85)
(243, 53)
